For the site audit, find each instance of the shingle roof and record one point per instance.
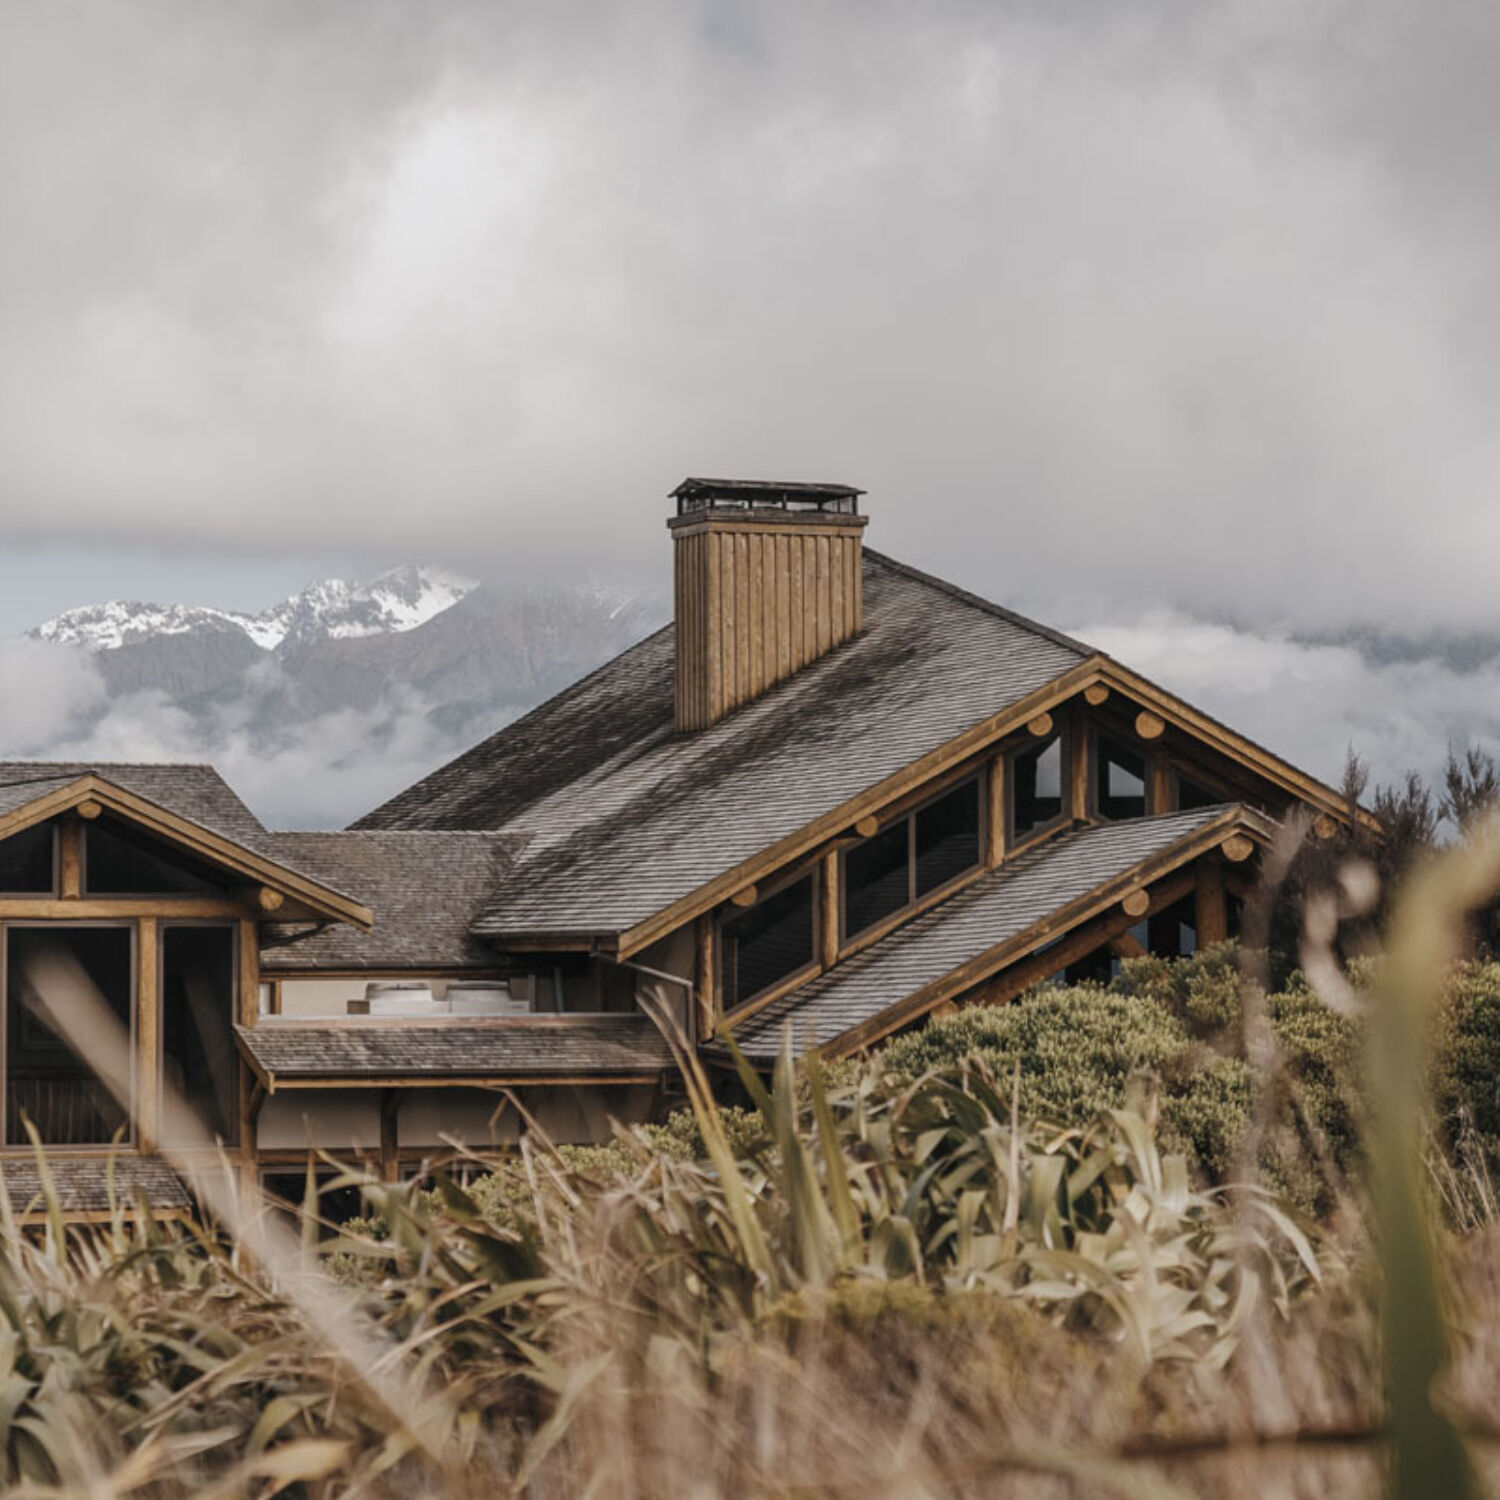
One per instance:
(995, 908)
(83, 1183)
(529, 1046)
(624, 816)
(425, 889)
(196, 792)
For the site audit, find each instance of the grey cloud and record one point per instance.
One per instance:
(1164, 302)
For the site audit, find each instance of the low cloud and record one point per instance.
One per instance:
(1310, 701)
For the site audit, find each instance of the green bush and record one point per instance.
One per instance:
(1178, 1022)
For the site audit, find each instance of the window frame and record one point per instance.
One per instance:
(1178, 774)
(914, 900)
(166, 852)
(1098, 734)
(810, 870)
(1065, 741)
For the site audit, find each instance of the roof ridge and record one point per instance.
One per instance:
(978, 601)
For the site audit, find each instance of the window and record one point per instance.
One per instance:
(947, 837)
(1191, 795)
(770, 942)
(197, 1032)
(912, 858)
(877, 877)
(70, 974)
(117, 863)
(1036, 787)
(27, 862)
(1120, 788)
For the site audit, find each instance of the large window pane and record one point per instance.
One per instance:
(1036, 786)
(197, 1031)
(26, 862)
(768, 943)
(947, 837)
(66, 972)
(118, 862)
(1121, 780)
(877, 878)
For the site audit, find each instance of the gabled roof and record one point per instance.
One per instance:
(992, 914)
(292, 1054)
(623, 816)
(425, 889)
(189, 805)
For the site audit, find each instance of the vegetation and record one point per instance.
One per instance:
(1083, 1245)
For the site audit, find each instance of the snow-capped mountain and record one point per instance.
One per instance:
(397, 601)
(320, 706)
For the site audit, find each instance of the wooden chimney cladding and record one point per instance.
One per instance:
(759, 595)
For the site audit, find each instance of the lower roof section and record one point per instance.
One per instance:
(306, 1054)
(1021, 895)
(83, 1183)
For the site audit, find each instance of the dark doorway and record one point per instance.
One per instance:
(197, 1032)
(68, 972)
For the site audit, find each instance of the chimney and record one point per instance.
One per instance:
(768, 577)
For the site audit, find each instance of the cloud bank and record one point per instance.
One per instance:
(1161, 305)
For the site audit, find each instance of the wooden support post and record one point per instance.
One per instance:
(70, 858)
(252, 1097)
(1159, 786)
(706, 988)
(1078, 769)
(390, 1142)
(995, 819)
(1210, 909)
(828, 929)
(147, 1033)
(249, 965)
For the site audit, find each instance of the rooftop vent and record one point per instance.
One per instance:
(768, 578)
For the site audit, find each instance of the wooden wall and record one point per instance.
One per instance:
(757, 600)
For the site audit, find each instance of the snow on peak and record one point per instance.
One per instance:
(399, 600)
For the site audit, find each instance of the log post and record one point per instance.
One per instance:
(147, 1033)
(828, 931)
(1210, 909)
(70, 858)
(995, 818)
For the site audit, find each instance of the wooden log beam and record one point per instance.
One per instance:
(1149, 726)
(70, 859)
(1210, 905)
(1136, 904)
(1096, 694)
(1127, 945)
(868, 827)
(745, 897)
(1040, 726)
(995, 814)
(828, 926)
(147, 1033)
(88, 809)
(1237, 848)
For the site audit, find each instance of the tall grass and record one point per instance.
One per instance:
(867, 1291)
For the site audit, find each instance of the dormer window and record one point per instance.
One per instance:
(768, 944)
(919, 854)
(1120, 780)
(1035, 780)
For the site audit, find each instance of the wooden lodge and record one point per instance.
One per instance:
(834, 797)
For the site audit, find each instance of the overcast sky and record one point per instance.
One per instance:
(1138, 314)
